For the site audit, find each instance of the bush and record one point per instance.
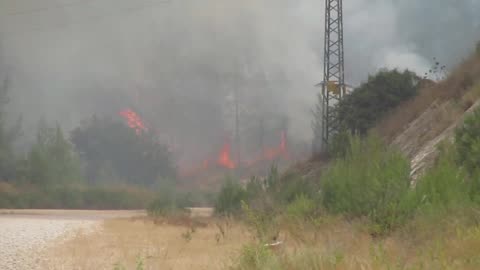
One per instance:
(229, 200)
(284, 189)
(262, 223)
(372, 180)
(302, 207)
(257, 257)
(167, 203)
(340, 144)
(467, 142)
(444, 185)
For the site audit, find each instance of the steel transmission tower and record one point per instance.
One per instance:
(333, 84)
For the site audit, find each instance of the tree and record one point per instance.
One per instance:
(133, 158)
(360, 111)
(52, 160)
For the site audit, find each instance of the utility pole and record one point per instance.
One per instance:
(237, 113)
(237, 127)
(333, 84)
(262, 135)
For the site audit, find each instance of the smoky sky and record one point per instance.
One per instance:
(179, 62)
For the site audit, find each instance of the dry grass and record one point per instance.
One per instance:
(205, 243)
(458, 85)
(425, 244)
(451, 242)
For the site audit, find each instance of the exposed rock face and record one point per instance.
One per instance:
(419, 141)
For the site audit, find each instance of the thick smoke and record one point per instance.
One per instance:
(179, 62)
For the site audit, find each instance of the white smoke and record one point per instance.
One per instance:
(173, 59)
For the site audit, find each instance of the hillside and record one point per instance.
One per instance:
(419, 125)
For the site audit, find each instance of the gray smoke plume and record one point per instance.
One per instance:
(179, 62)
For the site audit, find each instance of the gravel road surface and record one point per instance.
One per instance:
(24, 234)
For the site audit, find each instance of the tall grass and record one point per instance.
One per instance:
(370, 181)
(445, 185)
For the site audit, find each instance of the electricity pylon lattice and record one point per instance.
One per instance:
(333, 85)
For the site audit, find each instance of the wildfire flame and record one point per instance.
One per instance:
(224, 158)
(283, 142)
(133, 120)
(270, 154)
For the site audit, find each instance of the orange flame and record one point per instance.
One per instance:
(224, 159)
(273, 153)
(283, 142)
(133, 120)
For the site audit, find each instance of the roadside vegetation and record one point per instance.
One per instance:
(102, 164)
(364, 211)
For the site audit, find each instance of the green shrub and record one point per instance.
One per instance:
(263, 223)
(230, 197)
(302, 207)
(340, 144)
(258, 197)
(444, 185)
(257, 257)
(284, 189)
(467, 142)
(371, 181)
(169, 203)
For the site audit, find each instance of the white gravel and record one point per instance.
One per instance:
(22, 238)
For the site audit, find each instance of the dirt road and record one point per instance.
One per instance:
(25, 234)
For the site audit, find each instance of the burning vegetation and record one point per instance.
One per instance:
(133, 120)
(226, 158)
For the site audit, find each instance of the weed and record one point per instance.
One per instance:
(262, 223)
(119, 266)
(188, 235)
(140, 265)
(257, 257)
